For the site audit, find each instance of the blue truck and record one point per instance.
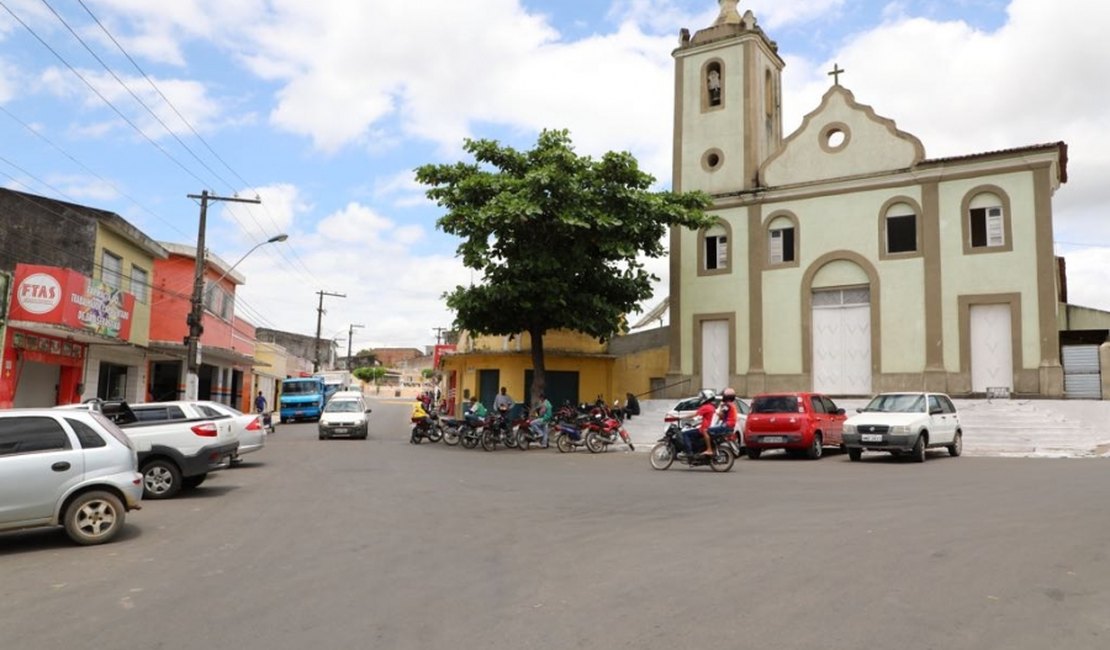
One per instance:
(303, 398)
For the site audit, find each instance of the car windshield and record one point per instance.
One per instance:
(300, 388)
(897, 404)
(775, 404)
(342, 406)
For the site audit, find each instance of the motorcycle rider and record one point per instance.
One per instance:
(542, 421)
(476, 412)
(726, 412)
(706, 411)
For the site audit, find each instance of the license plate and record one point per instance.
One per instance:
(871, 437)
(772, 439)
(340, 430)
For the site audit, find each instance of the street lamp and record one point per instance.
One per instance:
(350, 332)
(273, 240)
(195, 317)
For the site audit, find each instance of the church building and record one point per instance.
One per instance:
(843, 260)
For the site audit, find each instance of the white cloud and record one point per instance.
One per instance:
(83, 188)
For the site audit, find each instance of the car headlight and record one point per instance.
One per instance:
(849, 428)
(900, 429)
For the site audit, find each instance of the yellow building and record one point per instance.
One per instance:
(577, 367)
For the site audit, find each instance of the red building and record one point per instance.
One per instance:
(226, 345)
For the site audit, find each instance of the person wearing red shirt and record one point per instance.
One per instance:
(707, 411)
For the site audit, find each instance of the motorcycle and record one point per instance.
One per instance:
(426, 427)
(605, 428)
(470, 433)
(499, 430)
(671, 448)
(450, 428)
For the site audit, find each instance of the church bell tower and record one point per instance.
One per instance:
(728, 103)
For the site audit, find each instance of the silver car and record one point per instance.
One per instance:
(66, 468)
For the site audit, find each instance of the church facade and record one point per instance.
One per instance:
(843, 260)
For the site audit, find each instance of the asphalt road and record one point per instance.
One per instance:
(382, 544)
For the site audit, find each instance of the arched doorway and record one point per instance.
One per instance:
(840, 293)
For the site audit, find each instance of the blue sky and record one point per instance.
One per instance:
(323, 109)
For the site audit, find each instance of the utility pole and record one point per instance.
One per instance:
(319, 322)
(439, 333)
(195, 317)
(350, 333)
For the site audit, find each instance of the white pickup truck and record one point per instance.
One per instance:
(174, 453)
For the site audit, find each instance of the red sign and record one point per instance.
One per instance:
(48, 294)
(439, 351)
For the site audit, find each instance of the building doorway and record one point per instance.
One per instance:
(842, 341)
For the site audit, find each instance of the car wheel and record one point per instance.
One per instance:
(161, 479)
(662, 455)
(323, 436)
(753, 454)
(918, 453)
(815, 447)
(855, 453)
(957, 446)
(236, 460)
(94, 518)
(192, 482)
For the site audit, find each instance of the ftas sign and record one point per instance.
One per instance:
(39, 293)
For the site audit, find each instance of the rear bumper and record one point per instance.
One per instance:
(209, 459)
(777, 440)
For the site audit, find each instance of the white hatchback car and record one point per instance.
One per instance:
(66, 468)
(345, 416)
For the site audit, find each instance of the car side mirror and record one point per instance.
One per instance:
(840, 411)
(369, 410)
(859, 409)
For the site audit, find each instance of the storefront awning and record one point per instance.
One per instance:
(208, 354)
(70, 334)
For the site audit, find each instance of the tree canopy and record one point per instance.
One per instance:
(559, 238)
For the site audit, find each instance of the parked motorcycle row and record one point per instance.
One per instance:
(593, 427)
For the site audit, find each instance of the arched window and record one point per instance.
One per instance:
(986, 220)
(782, 239)
(713, 85)
(900, 228)
(714, 254)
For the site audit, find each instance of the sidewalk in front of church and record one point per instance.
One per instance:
(1003, 428)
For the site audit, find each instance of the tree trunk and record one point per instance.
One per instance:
(539, 379)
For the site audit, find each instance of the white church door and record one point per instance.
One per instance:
(714, 354)
(842, 341)
(992, 360)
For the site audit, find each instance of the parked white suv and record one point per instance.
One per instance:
(66, 468)
(904, 423)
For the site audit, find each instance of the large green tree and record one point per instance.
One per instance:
(559, 238)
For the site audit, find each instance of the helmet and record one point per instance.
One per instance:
(729, 394)
(707, 395)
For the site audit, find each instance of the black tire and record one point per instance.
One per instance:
(918, 452)
(722, 460)
(562, 442)
(957, 446)
(489, 440)
(815, 449)
(855, 453)
(753, 454)
(161, 479)
(510, 438)
(594, 443)
(414, 437)
(435, 435)
(522, 439)
(94, 518)
(323, 436)
(469, 441)
(192, 482)
(450, 436)
(662, 455)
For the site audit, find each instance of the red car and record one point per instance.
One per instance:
(800, 423)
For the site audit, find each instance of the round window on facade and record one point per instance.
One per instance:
(834, 137)
(711, 160)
